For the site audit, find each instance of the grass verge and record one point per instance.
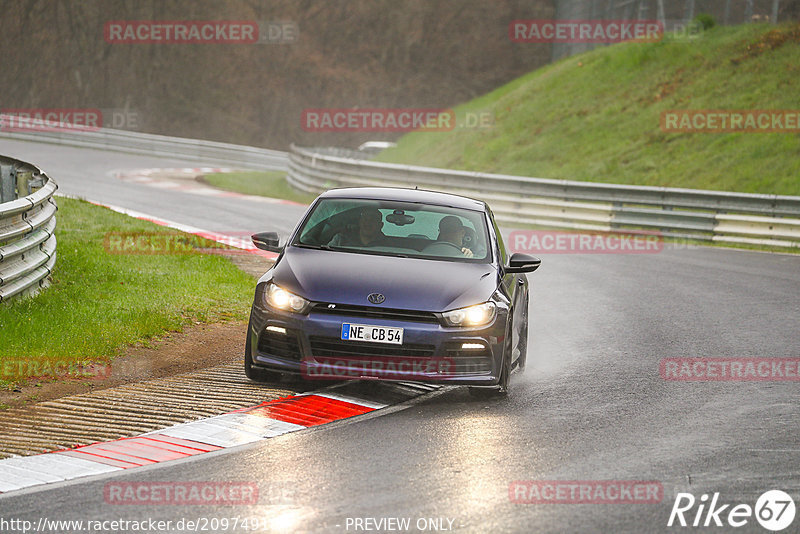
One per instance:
(266, 184)
(101, 302)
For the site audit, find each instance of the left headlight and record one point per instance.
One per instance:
(279, 298)
(476, 315)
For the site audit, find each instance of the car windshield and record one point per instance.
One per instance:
(406, 229)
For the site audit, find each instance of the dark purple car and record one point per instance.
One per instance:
(393, 284)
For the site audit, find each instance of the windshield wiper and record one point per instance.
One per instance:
(360, 250)
(319, 247)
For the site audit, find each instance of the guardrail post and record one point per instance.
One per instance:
(7, 183)
(37, 181)
(27, 223)
(23, 183)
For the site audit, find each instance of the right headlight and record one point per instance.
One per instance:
(477, 315)
(279, 298)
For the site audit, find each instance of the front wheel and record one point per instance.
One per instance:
(501, 389)
(254, 373)
(523, 341)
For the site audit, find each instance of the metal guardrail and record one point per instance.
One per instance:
(27, 226)
(679, 213)
(195, 150)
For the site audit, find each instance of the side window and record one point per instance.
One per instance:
(501, 246)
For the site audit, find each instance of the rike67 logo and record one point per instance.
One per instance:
(774, 510)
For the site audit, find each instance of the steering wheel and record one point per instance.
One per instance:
(440, 248)
(470, 241)
(459, 249)
(449, 243)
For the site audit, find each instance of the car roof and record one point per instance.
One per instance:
(406, 195)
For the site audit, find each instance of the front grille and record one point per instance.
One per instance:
(281, 345)
(371, 312)
(332, 347)
(469, 361)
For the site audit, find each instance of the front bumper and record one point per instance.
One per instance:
(306, 344)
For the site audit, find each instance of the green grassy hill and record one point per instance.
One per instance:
(596, 116)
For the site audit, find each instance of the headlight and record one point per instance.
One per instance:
(277, 297)
(477, 315)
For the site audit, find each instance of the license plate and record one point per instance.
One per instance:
(373, 333)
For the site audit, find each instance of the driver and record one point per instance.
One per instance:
(471, 242)
(451, 232)
(370, 231)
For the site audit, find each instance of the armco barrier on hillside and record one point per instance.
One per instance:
(597, 207)
(27, 226)
(517, 200)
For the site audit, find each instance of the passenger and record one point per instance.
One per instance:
(370, 231)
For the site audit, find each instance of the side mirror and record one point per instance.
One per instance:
(267, 241)
(522, 263)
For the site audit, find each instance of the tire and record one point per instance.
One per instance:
(523, 341)
(254, 373)
(501, 389)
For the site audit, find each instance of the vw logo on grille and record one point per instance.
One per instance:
(375, 298)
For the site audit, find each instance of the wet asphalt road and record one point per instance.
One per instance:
(87, 173)
(591, 405)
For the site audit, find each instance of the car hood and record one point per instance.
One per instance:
(407, 283)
